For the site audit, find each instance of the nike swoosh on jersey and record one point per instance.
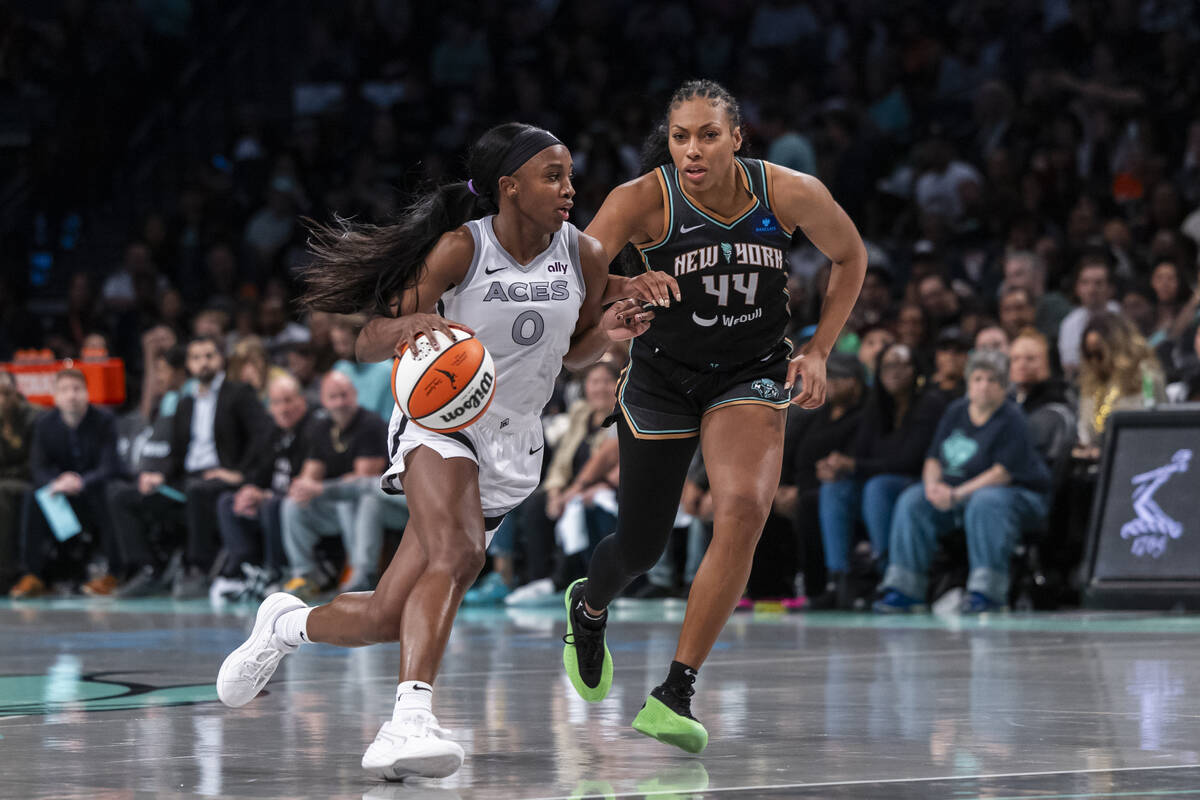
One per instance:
(534, 450)
(490, 271)
(701, 321)
(692, 228)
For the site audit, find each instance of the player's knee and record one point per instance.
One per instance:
(461, 554)
(749, 505)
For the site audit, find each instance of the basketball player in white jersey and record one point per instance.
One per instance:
(499, 257)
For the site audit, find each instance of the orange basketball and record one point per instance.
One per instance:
(448, 389)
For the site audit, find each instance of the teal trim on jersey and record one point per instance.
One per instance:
(764, 401)
(757, 202)
(670, 201)
(632, 420)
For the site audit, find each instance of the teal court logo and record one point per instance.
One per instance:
(60, 691)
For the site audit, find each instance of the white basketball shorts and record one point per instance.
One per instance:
(508, 450)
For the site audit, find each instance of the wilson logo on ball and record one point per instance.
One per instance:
(448, 389)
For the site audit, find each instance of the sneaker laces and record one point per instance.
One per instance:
(266, 659)
(414, 725)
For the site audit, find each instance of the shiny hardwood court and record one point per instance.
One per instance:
(110, 699)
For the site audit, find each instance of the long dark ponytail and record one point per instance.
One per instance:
(656, 151)
(359, 267)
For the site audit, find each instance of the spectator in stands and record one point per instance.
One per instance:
(249, 364)
(939, 301)
(144, 441)
(74, 453)
(950, 363)
(872, 342)
(992, 337)
(886, 457)
(211, 448)
(1031, 383)
(912, 329)
(1026, 270)
(1119, 372)
(372, 380)
(17, 418)
(810, 437)
(1176, 302)
(981, 473)
(1017, 311)
(278, 332)
(301, 362)
(1094, 289)
(337, 492)
(250, 518)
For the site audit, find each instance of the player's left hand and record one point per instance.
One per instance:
(626, 320)
(810, 369)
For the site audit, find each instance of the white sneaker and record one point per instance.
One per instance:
(412, 746)
(246, 670)
(534, 593)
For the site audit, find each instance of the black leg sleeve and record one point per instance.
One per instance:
(652, 475)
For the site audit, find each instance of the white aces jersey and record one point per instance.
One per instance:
(524, 315)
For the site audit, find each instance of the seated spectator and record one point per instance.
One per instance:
(982, 474)
(1031, 383)
(872, 342)
(1119, 372)
(302, 365)
(16, 437)
(1027, 270)
(250, 518)
(949, 363)
(249, 364)
(1016, 309)
(144, 440)
(337, 493)
(992, 337)
(211, 447)
(809, 438)
(372, 381)
(1094, 289)
(74, 453)
(1174, 302)
(888, 452)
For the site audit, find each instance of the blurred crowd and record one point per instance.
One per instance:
(1026, 175)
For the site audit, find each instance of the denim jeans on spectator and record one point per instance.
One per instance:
(846, 501)
(252, 540)
(359, 520)
(993, 519)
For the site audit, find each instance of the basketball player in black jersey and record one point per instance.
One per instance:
(713, 366)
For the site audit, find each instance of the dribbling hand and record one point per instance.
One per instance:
(411, 326)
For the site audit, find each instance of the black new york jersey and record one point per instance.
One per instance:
(732, 274)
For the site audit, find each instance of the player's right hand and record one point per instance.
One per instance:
(625, 320)
(411, 326)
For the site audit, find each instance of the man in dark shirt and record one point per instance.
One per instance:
(74, 454)
(982, 474)
(16, 437)
(337, 492)
(250, 519)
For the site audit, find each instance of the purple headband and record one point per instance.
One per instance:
(471, 188)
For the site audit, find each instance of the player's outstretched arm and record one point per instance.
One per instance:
(415, 312)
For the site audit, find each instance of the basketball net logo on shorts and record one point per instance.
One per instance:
(1153, 529)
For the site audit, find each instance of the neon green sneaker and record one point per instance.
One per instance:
(668, 717)
(585, 655)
